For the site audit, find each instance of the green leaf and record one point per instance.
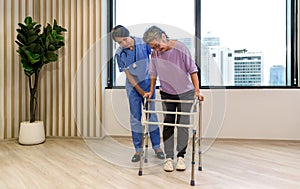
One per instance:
(58, 28)
(33, 38)
(22, 39)
(61, 44)
(51, 57)
(33, 58)
(60, 37)
(28, 69)
(28, 20)
(22, 32)
(54, 34)
(29, 73)
(19, 44)
(54, 22)
(52, 48)
(23, 27)
(34, 48)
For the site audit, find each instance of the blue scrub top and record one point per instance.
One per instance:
(135, 61)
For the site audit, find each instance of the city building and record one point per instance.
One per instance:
(216, 63)
(248, 68)
(277, 75)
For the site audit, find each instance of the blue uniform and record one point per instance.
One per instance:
(136, 61)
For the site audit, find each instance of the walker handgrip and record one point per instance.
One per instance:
(145, 101)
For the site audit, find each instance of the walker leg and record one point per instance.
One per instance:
(147, 133)
(146, 146)
(140, 173)
(199, 138)
(192, 183)
(141, 165)
(193, 160)
(200, 159)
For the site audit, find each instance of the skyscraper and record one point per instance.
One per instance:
(277, 75)
(216, 62)
(248, 68)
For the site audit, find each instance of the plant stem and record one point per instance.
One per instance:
(33, 98)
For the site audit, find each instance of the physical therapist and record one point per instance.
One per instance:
(133, 58)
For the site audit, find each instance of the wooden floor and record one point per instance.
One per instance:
(101, 163)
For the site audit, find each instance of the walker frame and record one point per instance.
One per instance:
(196, 111)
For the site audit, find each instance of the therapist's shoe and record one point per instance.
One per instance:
(136, 157)
(159, 153)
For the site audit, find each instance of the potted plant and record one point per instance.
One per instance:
(36, 48)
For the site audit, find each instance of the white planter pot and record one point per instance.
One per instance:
(31, 133)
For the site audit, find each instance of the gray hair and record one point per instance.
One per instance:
(153, 33)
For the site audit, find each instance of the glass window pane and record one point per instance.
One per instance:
(243, 42)
(175, 17)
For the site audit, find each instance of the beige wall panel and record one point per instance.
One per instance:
(9, 70)
(2, 73)
(69, 95)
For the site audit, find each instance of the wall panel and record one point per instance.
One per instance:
(69, 98)
(2, 72)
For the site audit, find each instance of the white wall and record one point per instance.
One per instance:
(227, 113)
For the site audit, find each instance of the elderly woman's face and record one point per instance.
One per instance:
(159, 45)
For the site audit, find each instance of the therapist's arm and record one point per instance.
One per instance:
(152, 88)
(134, 83)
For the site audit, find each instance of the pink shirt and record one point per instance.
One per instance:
(173, 69)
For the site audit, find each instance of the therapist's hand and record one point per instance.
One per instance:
(148, 95)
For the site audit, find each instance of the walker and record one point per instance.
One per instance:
(196, 111)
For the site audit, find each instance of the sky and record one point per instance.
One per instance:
(257, 25)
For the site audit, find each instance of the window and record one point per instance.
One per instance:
(250, 43)
(137, 15)
(257, 34)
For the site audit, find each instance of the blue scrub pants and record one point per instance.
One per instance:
(136, 102)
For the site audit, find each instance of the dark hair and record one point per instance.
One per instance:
(119, 31)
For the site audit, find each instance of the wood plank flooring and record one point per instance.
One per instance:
(105, 163)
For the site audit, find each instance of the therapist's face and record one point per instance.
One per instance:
(126, 42)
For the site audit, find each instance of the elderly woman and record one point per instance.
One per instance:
(171, 61)
(133, 58)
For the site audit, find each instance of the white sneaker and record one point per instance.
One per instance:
(180, 164)
(169, 165)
